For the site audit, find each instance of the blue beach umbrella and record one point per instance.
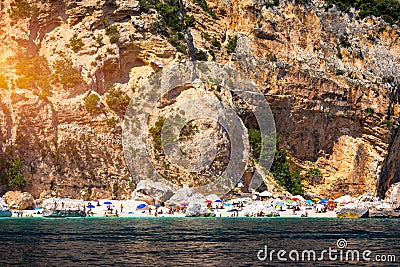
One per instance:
(141, 206)
(107, 203)
(323, 202)
(279, 203)
(228, 204)
(91, 207)
(157, 205)
(218, 200)
(38, 208)
(309, 202)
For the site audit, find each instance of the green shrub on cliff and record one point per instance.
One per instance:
(91, 103)
(369, 111)
(33, 72)
(389, 10)
(15, 178)
(155, 133)
(66, 74)
(280, 169)
(232, 43)
(21, 9)
(117, 100)
(75, 43)
(172, 21)
(271, 3)
(206, 8)
(255, 143)
(113, 33)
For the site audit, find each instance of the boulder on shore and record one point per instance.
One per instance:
(198, 208)
(19, 200)
(183, 195)
(355, 212)
(151, 192)
(392, 196)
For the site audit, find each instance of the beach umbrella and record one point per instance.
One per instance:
(331, 202)
(218, 200)
(295, 199)
(294, 203)
(300, 198)
(288, 201)
(157, 205)
(185, 204)
(107, 203)
(316, 199)
(91, 207)
(141, 206)
(309, 202)
(279, 203)
(324, 200)
(38, 208)
(208, 201)
(228, 204)
(172, 205)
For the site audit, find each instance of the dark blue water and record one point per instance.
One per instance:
(188, 241)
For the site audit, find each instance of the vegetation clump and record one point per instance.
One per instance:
(339, 72)
(172, 22)
(14, 176)
(91, 103)
(255, 141)
(206, 8)
(117, 100)
(66, 74)
(389, 10)
(292, 180)
(33, 72)
(21, 9)
(155, 133)
(232, 43)
(369, 111)
(75, 43)
(271, 3)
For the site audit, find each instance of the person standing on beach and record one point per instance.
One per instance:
(122, 207)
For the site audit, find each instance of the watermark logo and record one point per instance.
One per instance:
(338, 253)
(183, 128)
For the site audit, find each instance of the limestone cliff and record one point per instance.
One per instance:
(331, 80)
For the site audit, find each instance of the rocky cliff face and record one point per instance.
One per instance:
(331, 80)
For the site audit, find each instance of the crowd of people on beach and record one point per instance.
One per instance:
(253, 206)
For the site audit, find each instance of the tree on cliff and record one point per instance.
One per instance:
(280, 169)
(15, 178)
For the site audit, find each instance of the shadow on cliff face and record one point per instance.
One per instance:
(391, 168)
(309, 133)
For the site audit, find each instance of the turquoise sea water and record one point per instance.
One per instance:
(189, 241)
